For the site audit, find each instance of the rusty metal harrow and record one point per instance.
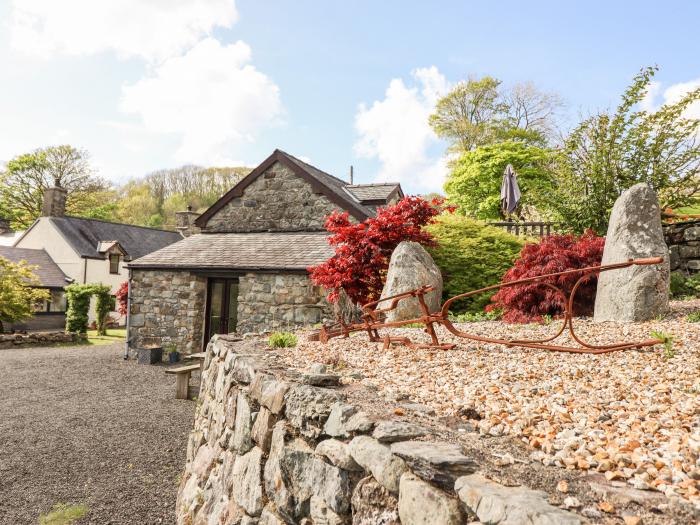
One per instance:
(374, 318)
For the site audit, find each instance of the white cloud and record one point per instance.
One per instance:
(212, 97)
(152, 29)
(395, 131)
(672, 94)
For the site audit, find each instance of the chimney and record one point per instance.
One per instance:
(5, 226)
(184, 222)
(351, 174)
(54, 201)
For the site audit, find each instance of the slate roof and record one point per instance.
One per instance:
(85, 236)
(48, 272)
(373, 192)
(242, 251)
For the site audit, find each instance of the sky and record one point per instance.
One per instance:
(150, 84)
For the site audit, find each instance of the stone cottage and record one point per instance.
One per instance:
(242, 264)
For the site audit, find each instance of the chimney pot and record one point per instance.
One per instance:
(351, 174)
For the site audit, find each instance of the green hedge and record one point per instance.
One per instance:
(471, 255)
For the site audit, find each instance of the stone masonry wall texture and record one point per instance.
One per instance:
(683, 240)
(278, 200)
(275, 446)
(167, 307)
(279, 302)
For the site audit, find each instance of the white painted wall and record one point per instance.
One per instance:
(44, 235)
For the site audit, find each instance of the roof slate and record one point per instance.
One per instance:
(48, 272)
(372, 192)
(242, 251)
(85, 236)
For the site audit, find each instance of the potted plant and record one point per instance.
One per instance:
(150, 355)
(173, 354)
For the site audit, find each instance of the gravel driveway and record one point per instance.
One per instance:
(81, 425)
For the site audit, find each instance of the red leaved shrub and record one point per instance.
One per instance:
(122, 296)
(526, 303)
(362, 251)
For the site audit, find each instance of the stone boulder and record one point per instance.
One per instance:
(636, 293)
(411, 267)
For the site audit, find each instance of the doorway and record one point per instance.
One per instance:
(222, 307)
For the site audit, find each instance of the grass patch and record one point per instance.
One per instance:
(282, 340)
(693, 317)
(62, 514)
(114, 335)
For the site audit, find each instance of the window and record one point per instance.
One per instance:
(114, 263)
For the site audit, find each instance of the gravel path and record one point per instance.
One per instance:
(632, 416)
(81, 425)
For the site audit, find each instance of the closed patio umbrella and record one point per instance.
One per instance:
(510, 193)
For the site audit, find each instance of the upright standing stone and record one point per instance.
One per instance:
(411, 267)
(636, 293)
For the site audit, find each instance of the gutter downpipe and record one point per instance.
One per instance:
(128, 317)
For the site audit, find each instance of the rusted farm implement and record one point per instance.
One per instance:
(374, 318)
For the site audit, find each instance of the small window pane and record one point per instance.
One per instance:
(114, 263)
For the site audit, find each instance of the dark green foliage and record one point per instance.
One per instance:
(78, 298)
(103, 305)
(682, 286)
(471, 255)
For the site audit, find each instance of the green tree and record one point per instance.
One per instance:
(17, 292)
(25, 178)
(478, 112)
(609, 152)
(474, 183)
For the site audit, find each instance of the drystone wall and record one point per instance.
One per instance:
(38, 339)
(683, 240)
(275, 446)
(167, 307)
(279, 302)
(278, 200)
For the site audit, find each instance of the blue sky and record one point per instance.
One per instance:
(144, 85)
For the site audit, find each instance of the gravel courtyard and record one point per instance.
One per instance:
(631, 416)
(80, 425)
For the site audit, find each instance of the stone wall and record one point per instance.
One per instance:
(278, 200)
(271, 445)
(683, 240)
(38, 339)
(167, 307)
(279, 302)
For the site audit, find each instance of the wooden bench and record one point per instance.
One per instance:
(182, 379)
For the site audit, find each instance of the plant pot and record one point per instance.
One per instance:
(173, 357)
(150, 356)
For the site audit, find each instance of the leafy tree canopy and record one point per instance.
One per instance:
(478, 112)
(25, 178)
(17, 295)
(611, 151)
(474, 183)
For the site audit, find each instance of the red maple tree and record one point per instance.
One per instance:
(362, 251)
(526, 303)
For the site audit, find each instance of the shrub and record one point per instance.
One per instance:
(282, 340)
(62, 514)
(682, 286)
(530, 302)
(475, 317)
(471, 255)
(122, 296)
(362, 251)
(78, 299)
(693, 317)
